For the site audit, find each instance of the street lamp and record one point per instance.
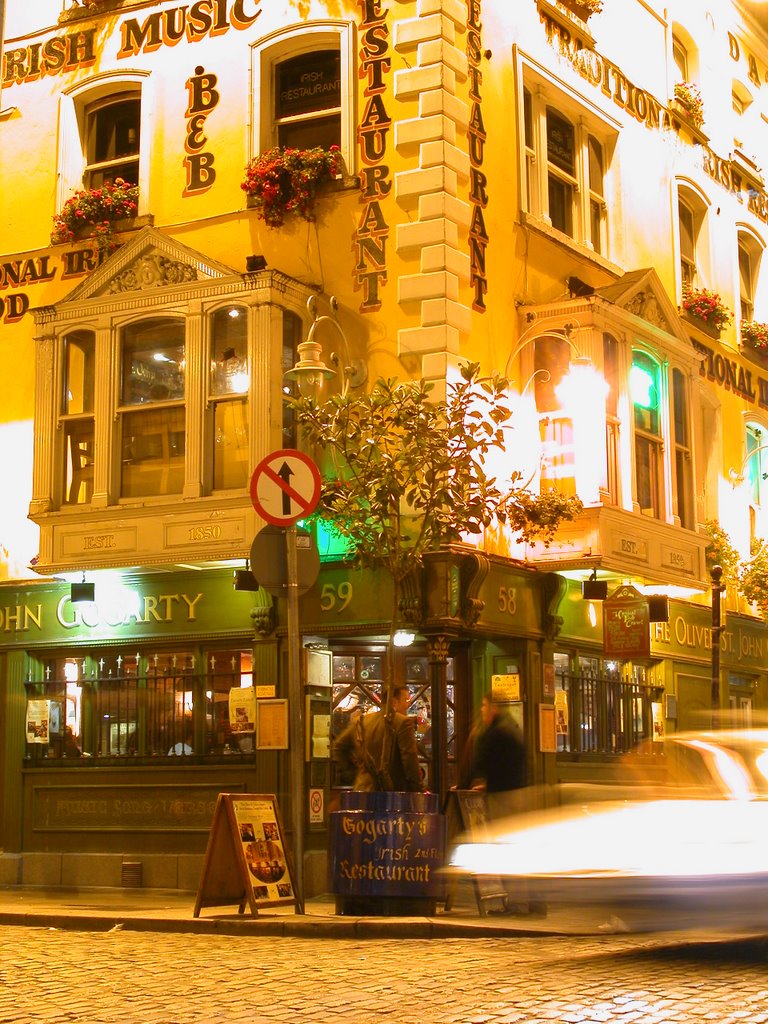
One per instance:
(311, 372)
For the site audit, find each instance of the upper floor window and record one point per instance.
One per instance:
(750, 253)
(692, 237)
(308, 100)
(683, 463)
(680, 57)
(152, 412)
(229, 390)
(303, 84)
(113, 130)
(77, 409)
(104, 135)
(567, 163)
(612, 422)
(558, 466)
(645, 392)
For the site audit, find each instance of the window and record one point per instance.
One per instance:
(292, 336)
(645, 393)
(601, 707)
(308, 100)
(680, 58)
(566, 157)
(152, 408)
(683, 476)
(229, 390)
(113, 128)
(750, 253)
(118, 704)
(303, 81)
(692, 238)
(611, 374)
(77, 416)
(104, 134)
(756, 469)
(552, 356)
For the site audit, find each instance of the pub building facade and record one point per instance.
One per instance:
(521, 185)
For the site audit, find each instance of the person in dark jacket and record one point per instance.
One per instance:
(499, 760)
(382, 748)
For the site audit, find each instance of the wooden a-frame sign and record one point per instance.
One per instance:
(246, 860)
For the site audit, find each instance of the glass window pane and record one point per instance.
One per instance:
(78, 487)
(595, 165)
(230, 445)
(309, 82)
(318, 131)
(560, 142)
(153, 362)
(153, 452)
(561, 205)
(687, 232)
(229, 351)
(680, 407)
(79, 354)
(114, 130)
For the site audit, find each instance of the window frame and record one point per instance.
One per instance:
(691, 199)
(591, 128)
(81, 100)
(283, 44)
(750, 251)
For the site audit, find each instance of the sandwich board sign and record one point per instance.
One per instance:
(246, 861)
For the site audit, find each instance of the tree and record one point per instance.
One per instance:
(405, 472)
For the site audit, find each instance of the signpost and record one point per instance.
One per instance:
(285, 486)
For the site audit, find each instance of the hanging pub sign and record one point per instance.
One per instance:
(626, 625)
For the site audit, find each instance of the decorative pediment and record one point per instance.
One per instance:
(149, 262)
(641, 294)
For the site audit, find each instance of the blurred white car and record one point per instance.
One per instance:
(693, 847)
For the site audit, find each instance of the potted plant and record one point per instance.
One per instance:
(689, 99)
(583, 9)
(707, 307)
(285, 181)
(95, 210)
(755, 335)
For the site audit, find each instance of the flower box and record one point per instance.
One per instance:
(706, 310)
(754, 335)
(96, 212)
(284, 182)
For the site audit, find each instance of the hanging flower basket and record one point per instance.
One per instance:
(95, 211)
(689, 99)
(285, 181)
(755, 335)
(707, 307)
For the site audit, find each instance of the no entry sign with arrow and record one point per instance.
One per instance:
(285, 486)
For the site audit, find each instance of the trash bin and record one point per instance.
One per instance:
(386, 849)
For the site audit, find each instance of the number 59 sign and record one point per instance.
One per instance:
(335, 597)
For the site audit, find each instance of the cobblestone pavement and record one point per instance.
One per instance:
(149, 978)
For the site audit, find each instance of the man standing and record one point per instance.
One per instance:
(498, 765)
(382, 748)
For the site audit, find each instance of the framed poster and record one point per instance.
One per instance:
(39, 721)
(547, 734)
(246, 860)
(272, 724)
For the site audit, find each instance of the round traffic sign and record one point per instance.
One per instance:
(285, 486)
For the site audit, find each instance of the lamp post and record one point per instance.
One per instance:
(717, 628)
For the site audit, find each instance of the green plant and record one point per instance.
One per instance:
(755, 334)
(753, 576)
(689, 98)
(284, 181)
(407, 475)
(593, 6)
(720, 551)
(96, 208)
(707, 306)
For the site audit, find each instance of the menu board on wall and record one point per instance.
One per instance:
(246, 860)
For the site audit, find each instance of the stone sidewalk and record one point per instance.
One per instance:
(160, 910)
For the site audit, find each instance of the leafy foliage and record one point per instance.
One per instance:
(408, 471)
(285, 181)
(707, 306)
(721, 552)
(755, 335)
(753, 577)
(97, 208)
(689, 98)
